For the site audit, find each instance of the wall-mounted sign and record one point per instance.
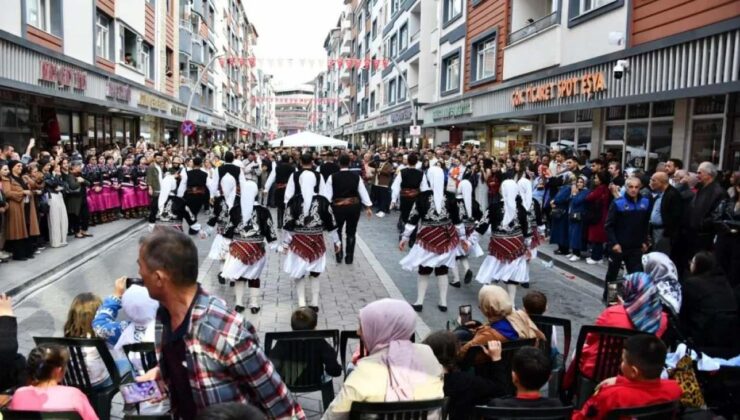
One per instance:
(118, 91)
(453, 110)
(152, 102)
(401, 116)
(178, 111)
(586, 85)
(62, 76)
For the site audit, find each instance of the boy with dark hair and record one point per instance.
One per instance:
(303, 319)
(530, 371)
(638, 385)
(535, 303)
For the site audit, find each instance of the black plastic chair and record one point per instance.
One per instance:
(663, 411)
(547, 324)
(488, 369)
(396, 410)
(344, 337)
(76, 374)
(39, 415)
(147, 354)
(608, 359)
(299, 368)
(500, 413)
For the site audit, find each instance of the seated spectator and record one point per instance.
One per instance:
(535, 303)
(395, 369)
(464, 389)
(231, 411)
(305, 319)
(664, 275)
(12, 364)
(530, 371)
(79, 325)
(503, 322)
(709, 314)
(639, 384)
(639, 308)
(46, 366)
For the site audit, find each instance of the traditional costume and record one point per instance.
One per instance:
(171, 208)
(440, 231)
(404, 190)
(196, 189)
(129, 202)
(280, 176)
(307, 216)
(95, 200)
(507, 250)
(471, 215)
(225, 215)
(535, 224)
(247, 255)
(347, 194)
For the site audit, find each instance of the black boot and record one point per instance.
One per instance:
(340, 256)
(350, 250)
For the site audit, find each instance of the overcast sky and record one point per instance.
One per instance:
(292, 29)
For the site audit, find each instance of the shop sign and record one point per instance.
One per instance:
(63, 76)
(454, 110)
(401, 116)
(586, 85)
(202, 120)
(178, 111)
(153, 102)
(118, 91)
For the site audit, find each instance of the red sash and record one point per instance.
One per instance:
(469, 230)
(536, 239)
(247, 252)
(507, 248)
(438, 239)
(308, 247)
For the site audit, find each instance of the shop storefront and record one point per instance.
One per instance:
(669, 104)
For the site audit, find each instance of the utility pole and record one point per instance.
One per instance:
(192, 89)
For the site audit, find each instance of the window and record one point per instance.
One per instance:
(394, 6)
(451, 73)
(403, 37)
(372, 67)
(452, 10)
(589, 5)
(374, 30)
(147, 62)
(129, 47)
(392, 91)
(640, 141)
(103, 36)
(372, 101)
(402, 88)
(485, 58)
(392, 45)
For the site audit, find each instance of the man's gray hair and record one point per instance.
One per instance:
(709, 168)
(173, 252)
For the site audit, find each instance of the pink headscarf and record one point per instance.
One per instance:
(389, 323)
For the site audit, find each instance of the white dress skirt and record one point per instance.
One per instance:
(494, 270)
(219, 248)
(296, 266)
(474, 249)
(235, 269)
(420, 257)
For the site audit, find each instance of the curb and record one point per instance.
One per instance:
(23, 291)
(596, 281)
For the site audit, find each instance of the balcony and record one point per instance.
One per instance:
(537, 26)
(345, 51)
(346, 24)
(198, 8)
(197, 53)
(186, 41)
(415, 37)
(519, 57)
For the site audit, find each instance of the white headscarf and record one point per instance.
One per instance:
(509, 191)
(465, 191)
(435, 177)
(307, 180)
(665, 276)
(525, 191)
(228, 187)
(142, 311)
(249, 190)
(166, 187)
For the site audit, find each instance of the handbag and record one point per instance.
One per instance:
(557, 213)
(685, 375)
(575, 217)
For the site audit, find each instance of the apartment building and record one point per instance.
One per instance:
(646, 80)
(293, 109)
(95, 72)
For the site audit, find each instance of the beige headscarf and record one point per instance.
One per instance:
(495, 304)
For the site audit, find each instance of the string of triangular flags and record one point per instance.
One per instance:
(330, 63)
(295, 101)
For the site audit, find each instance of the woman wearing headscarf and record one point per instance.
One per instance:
(395, 369)
(508, 253)
(665, 277)
(559, 215)
(247, 255)
(576, 210)
(307, 216)
(21, 219)
(440, 230)
(470, 214)
(535, 223)
(597, 202)
(503, 322)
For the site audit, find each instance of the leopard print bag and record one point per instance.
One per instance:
(685, 375)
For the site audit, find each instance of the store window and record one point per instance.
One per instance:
(45, 15)
(640, 134)
(403, 37)
(452, 10)
(706, 141)
(147, 61)
(484, 64)
(511, 139)
(129, 47)
(569, 131)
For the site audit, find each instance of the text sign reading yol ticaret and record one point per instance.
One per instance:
(585, 85)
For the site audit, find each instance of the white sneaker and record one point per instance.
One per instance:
(380, 214)
(574, 258)
(569, 256)
(589, 261)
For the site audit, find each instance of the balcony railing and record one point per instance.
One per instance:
(537, 26)
(415, 37)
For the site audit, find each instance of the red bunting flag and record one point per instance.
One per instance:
(386, 63)
(252, 60)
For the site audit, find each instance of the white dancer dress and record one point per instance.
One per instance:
(507, 250)
(247, 255)
(303, 236)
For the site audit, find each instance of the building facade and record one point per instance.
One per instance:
(99, 72)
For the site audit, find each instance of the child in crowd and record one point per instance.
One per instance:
(46, 366)
(464, 389)
(305, 319)
(79, 325)
(530, 371)
(643, 358)
(535, 303)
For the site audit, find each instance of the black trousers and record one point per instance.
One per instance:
(347, 216)
(81, 221)
(153, 208)
(280, 204)
(405, 206)
(382, 198)
(196, 202)
(632, 260)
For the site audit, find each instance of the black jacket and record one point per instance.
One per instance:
(671, 211)
(12, 364)
(627, 222)
(705, 202)
(466, 390)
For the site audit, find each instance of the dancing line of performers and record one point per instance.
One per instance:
(443, 229)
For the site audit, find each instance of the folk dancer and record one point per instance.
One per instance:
(308, 215)
(171, 208)
(347, 193)
(280, 177)
(225, 211)
(535, 222)
(471, 215)
(404, 190)
(439, 233)
(196, 189)
(247, 257)
(508, 253)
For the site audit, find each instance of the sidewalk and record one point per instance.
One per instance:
(19, 277)
(595, 273)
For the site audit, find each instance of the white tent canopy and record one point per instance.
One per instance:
(307, 139)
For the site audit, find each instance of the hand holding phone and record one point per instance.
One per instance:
(466, 314)
(136, 392)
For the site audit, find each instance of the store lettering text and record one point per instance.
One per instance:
(586, 85)
(454, 110)
(152, 102)
(118, 91)
(63, 76)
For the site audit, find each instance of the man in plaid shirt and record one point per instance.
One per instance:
(208, 354)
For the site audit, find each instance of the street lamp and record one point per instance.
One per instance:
(192, 89)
